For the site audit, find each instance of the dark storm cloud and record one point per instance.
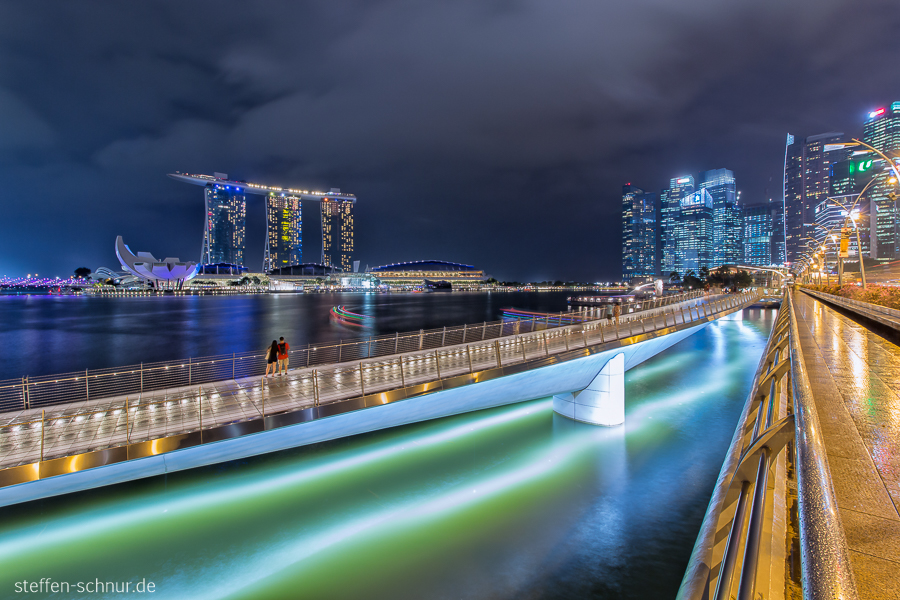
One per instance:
(497, 133)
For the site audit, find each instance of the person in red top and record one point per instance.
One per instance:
(283, 349)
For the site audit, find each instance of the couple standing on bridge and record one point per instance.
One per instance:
(613, 311)
(277, 357)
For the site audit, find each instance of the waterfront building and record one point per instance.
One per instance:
(337, 234)
(693, 233)
(727, 218)
(807, 166)
(170, 273)
(670, 211)
(882, 131)
(639, 233)
(416, 274)
(224, 233)
(284, 237)
(226, 223)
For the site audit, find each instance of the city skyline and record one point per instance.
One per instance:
(456, 154)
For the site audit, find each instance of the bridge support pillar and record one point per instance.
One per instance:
(602, 402)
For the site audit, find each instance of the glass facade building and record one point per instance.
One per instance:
(693, 233)
(882, 131)
(763, 234)
(639, 233)
(224, 237)
(807, 166)
(726, 215)
(337, 233)
(284, 232)
(670, 212)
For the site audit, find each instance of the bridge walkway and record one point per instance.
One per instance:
(855, 379)
(72, 429)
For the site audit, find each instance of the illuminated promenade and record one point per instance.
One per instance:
(855, 379)
(807, 500)
(74, 438)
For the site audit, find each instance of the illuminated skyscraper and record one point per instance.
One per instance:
(284, 240)
(226, 216)
(806, 181)
(763, 233)
(693, 233)
(337, 233)
(670, 211)
(882, 131)
(726, 215)
(639, 233)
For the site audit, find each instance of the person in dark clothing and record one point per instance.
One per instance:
(272, 358)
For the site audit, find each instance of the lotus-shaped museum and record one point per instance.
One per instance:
(170, 273)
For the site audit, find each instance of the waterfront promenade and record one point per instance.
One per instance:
(855, 379)
(74, 429)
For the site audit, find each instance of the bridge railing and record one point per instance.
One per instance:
(739, 537)
(120, 428)
(51, 390)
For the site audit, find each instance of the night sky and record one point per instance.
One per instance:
(492, 132)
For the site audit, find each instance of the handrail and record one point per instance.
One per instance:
(401, 376)
(740, 496)
(52, 390)
(826, 569)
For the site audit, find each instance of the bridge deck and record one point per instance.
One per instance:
(855, 379)
(87, 426)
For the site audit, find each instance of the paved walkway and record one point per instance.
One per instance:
(855, 379)
(98, 424)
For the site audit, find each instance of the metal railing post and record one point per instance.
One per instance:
(396, 341)
(232, 365)
(483, 330)
(421, 338)
(469, 355)
(87, 389)
(522, 341)
(437, 361)
(25, 393)
(497, 350)
(362, 387)
(43, 416)
(127, 431)
(546, 346)
(566, 338)
(142, 379)
(402, 377)
(189, 372)
(315, 387)
(464, 333)
(444, 336)
(200, 412)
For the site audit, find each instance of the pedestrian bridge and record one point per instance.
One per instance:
(48, 449)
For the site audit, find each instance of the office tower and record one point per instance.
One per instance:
(337, 233)
(882, 131)
(226, 216)
(763, 234)
(693, 233)
(726, 215)
(284, 241)
(830, 219)
(670, 210)
(806, 183)
(639, 233)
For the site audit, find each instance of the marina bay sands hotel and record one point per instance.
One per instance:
(226, 212)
